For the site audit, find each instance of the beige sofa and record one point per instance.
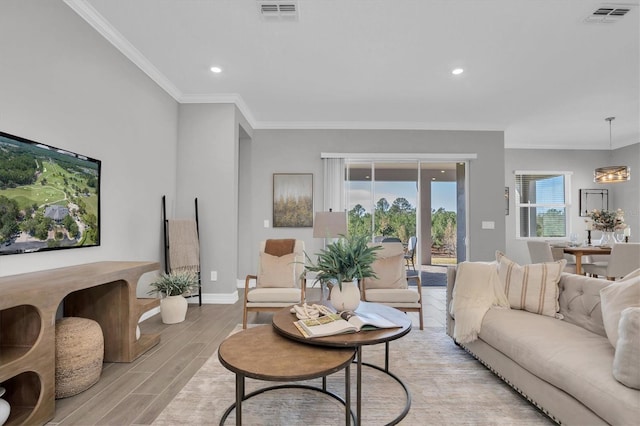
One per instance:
(562, 366)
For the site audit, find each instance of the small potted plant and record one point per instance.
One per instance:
(172, 288)
(341, 263)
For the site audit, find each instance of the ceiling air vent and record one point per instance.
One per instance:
(278, 10)
(608, 14)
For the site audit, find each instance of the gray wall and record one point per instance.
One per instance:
(627, 194)
(581, 163)
(208, 159)
(298, 151)
(63, 84)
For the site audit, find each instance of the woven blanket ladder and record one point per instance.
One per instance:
(191, 253)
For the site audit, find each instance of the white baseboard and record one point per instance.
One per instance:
(216, 298)
(207, 299)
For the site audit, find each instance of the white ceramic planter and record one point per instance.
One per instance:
(346, 299)
(173, 309)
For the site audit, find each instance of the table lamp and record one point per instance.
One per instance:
(329, 224)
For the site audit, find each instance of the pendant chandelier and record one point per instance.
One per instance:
(611, 174)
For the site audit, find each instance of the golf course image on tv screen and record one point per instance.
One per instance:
(49, 197)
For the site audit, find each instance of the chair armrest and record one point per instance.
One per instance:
(246, 281)
(418, 281)
(246, 287)
(415, 278)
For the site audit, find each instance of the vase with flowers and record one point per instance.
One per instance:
(608, 222)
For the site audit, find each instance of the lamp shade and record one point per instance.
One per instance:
(611, 174)
(329, 224)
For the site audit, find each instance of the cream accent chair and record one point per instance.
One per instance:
(624, 258)
(391, 285)
(280, 282)
(541, 252)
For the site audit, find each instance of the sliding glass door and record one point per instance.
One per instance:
(442, 218)
(410, 198)
(382, 199)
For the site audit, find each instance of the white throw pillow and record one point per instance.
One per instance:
(626, 363)
(617, 297)
(277, 271)
(534, 287)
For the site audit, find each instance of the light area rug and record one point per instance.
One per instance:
(447, 385)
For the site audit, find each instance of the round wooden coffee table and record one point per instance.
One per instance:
(260, 353)
(283, 323)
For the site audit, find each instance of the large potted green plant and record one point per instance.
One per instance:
(341, 264)
(173, 287)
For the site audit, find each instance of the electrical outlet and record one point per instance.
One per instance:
(214, 275)
(266, 223)
(488, 224)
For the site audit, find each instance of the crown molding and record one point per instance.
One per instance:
(102, 26)
(223, 98)
(590, 147)
(370, 125)
(553, 146)
(448, 157)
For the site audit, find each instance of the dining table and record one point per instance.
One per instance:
(580, 251)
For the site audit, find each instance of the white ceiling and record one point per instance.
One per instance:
(533, 68)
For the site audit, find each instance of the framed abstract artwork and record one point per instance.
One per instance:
(292, 200)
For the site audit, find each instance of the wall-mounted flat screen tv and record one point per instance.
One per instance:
(49, 197)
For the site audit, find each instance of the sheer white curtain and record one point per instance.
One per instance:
(334, 184)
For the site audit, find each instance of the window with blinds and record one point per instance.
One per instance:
(542, 200)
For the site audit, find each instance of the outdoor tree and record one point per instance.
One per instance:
(398, 219)
(440, 220)
(551, 223)
(359, 221)
(382, 205)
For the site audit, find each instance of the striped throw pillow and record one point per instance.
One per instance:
(534, 287)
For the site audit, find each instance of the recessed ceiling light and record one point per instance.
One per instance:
(216, 70)
(457, 71)
(441, 171)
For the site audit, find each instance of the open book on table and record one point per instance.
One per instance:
(345, 322)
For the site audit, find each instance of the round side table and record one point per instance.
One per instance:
(260, 353)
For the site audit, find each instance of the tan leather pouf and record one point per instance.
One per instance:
(79, 355)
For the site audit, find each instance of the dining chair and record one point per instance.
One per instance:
(279, 281)
(410, 254)
(542, 252)
(624, 258)
(390, 286)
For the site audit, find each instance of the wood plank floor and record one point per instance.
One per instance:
(135, 393)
